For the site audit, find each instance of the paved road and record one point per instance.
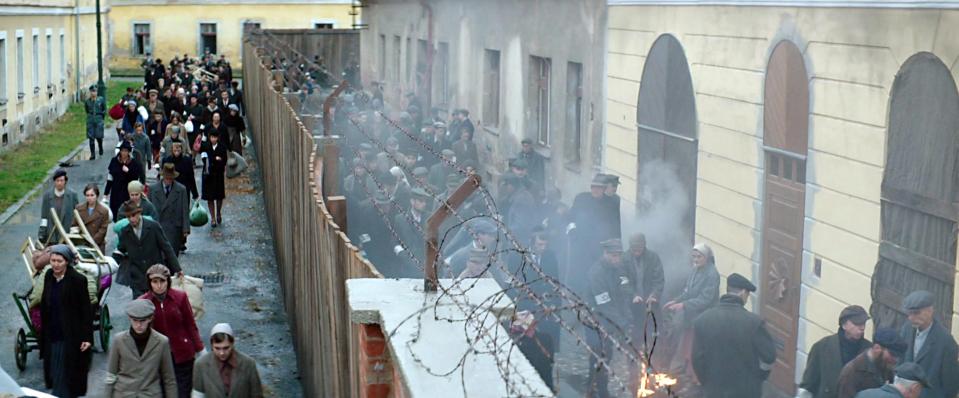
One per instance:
(241, 251)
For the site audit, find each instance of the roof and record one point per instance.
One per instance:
(794, 3)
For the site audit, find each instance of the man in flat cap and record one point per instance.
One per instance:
(930, 345)
(732, 350)
(910, 382)
(612, 293)
(586, 229)
(442, 169)
(828, 355)
(613, 204)
(140, 362)
(484, 237)
(372, 232)
(874, 367)
(410, 229)
(535, 163)
(60, 200)
(650, 282)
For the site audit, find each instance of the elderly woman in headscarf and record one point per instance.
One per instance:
(130, 117)
(66, 339)
(700, 293)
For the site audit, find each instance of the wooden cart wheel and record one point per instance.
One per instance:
(105, 328)
(21, 350)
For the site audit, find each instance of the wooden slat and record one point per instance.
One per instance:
(912, 200)
(922, 264)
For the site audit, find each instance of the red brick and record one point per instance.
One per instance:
(374, 348)
(378, 391)
(372, 331)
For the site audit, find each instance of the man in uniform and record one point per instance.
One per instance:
(874, 367)
(96, 108)
(612, 293)
(930, 345)
(732, 350)
(910, 382)
(828, 356)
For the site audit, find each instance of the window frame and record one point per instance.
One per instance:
(200, 34)
(21, 78)
(35, 66)
(573, 152)
(540, 68)
(49, 65)
(491, 110)
(148, 44)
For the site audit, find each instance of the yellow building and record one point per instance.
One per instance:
(47, 50)
(168, 28)
(816, 147)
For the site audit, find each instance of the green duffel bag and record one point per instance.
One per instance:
(198, 215)
(123, 222)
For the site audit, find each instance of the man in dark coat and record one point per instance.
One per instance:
(61, 200)
(520, 207)
(612, 293)
(587, 228)
(910, 382)
(874, 367)
(411, 228)
(144, 244)
(930, 345)
(828, 356)
(172, 202)
(95, 108)
(67, 335)
(650, 281)
(372, 233)
(732, 350)
(613, 204)
(535, 163)
(442, 169)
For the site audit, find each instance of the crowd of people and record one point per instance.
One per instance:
(187, 115)
(400, 164)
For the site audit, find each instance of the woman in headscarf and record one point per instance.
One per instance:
(67, 334)
(94, 216)
(175, 132)
(130, 117)
(122, 170)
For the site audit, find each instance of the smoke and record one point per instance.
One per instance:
(663, 215)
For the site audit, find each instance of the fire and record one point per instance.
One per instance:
(649, 383)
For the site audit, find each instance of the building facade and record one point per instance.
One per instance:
(815, 146)
(48, 55)
(519, 76)
(167, 28)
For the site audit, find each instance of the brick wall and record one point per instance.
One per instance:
(378, 377)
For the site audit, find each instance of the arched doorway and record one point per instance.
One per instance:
(920, 191)
(667, 144)
(785, 135)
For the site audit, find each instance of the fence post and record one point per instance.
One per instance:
(433, 225)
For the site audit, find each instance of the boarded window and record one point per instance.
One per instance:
(491, 88)
(141, 39)
(920, 191)
(539, 82)
(574, 113)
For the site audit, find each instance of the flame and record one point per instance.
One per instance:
(649, 383)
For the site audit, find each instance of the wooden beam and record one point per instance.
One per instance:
(455, 200)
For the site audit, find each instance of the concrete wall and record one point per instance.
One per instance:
(852, 57)
(561, 31)
(174, 28)
(45, 97)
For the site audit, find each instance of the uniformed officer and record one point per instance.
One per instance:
(96, 108)
(910, 382)
(732, 350)
(612, 293)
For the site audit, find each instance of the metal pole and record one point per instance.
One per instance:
(101, 87)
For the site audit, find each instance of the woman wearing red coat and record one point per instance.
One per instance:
(174, 319)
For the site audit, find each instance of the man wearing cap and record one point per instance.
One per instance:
(442, 169)
(465, 148)
(910, 382)
(373, 234)
(410, 228)
(519, 206)
(60, 200)
(172, 203)
(153, 102)
(96, 108)
(358, 184)
(535, 163)
(650, 282)
(587, 228)
(830, 354)
(930, 345)
(484, 235)
(874, 367)
(611, 293)
(144, 244)
(225, 371)
(732, 350)
(140, 363)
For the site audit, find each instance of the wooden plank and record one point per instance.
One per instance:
(922, 264)
(912, 200)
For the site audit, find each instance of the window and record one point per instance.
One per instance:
(539, 73)
(322, 25)
(574, 112)
(491, 88)
(20, 79)
(3, 68)
(36, 63)
(381, 68)
(49, 58)
(441, 73)
(395, 71)
(249, 26)
(141, 39)
(63, 59)
(208, 38)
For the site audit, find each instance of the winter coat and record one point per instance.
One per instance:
(823, 366)
(116, 188)
(184, 166)
(174, 319)
(732, 350)
(173, 210)
(938, 357)
(131, 375)
(611, 291)
(536, 168)
(649, 273)
(76, 320)
(70, 200)
(861, 374)
(149, 210)
(97, 223)
(886, 391)
(244, 381)
(701, 292)
(150, 248)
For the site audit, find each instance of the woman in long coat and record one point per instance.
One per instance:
(94, 216)
(214, 154)
(122, 170)
(235, 127)
(67, 334)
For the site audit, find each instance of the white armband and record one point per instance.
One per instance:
(197, 394)
(398, 249)
(203, 155)
(110, 379)
(802, 393)
(570, 227)
(43, 222)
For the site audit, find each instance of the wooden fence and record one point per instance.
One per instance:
(337, 47)
(314, 256)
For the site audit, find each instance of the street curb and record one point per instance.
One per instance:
(14, 208)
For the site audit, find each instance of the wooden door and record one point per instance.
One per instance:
(786, 124)
(920, 192)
